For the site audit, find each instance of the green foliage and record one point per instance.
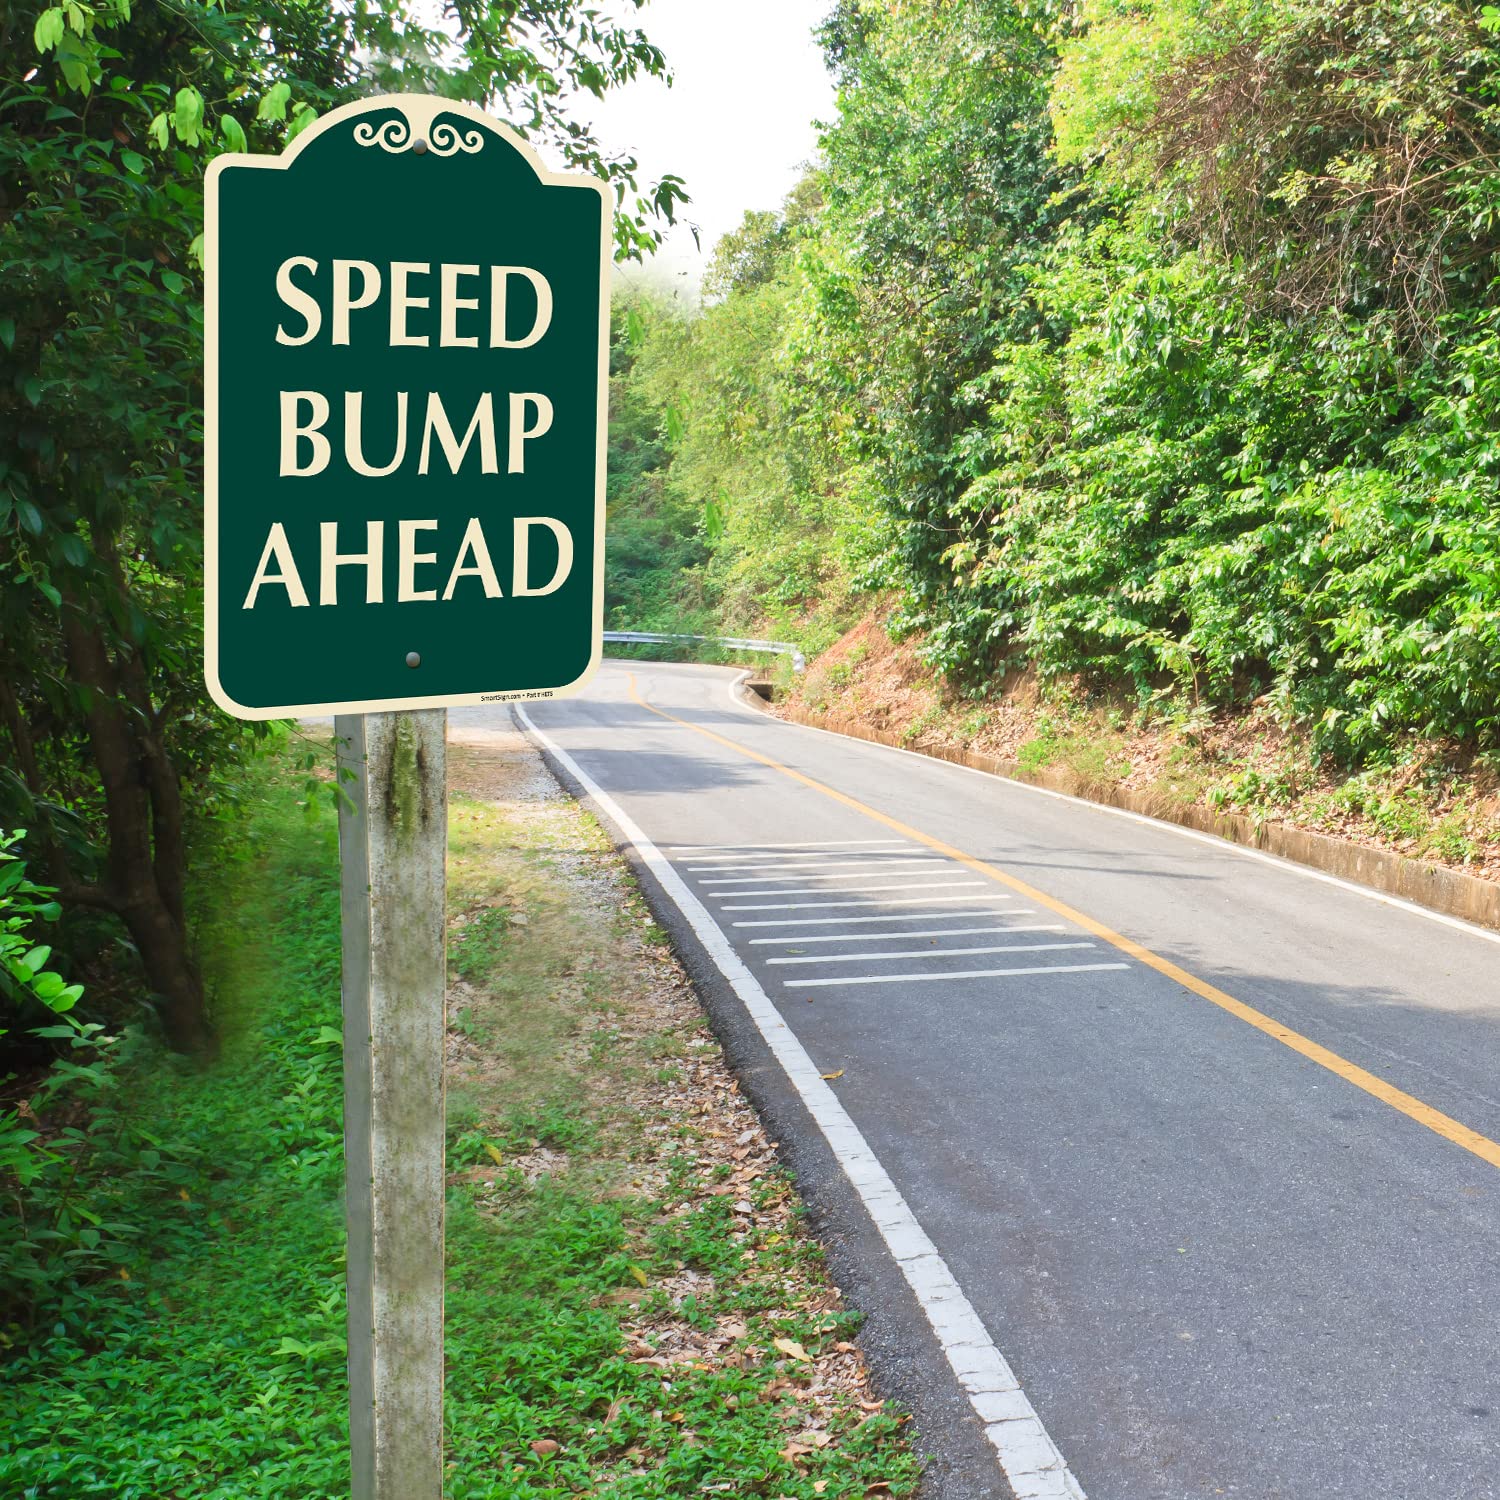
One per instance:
(53, 1241)
(24, 975)
(1357, 174)
(1112, 364)
(476, 948)
(210, 1360)
(111, 114)
(940, 192)
(1182, 494)
(728, 506)
(654, 561)
(167, 1373)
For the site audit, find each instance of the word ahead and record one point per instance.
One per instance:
(472, 560)
(406, 329)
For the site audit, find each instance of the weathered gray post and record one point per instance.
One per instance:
(392, 852)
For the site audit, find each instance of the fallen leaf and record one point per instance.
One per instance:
(639, 1275)
(792, 1349)
(813, 1439)
(839, 1074)
(494, 1155)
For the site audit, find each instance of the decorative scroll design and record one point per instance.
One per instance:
(448, 139)
(416, 122)
(390, 135)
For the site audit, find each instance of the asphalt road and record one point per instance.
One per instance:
(1217, 1259)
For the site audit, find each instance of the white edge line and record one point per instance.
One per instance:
(1243, 850)
(1028, 1457)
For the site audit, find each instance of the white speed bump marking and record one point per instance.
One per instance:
(856, 890)
(788, 939)
(816, 872)
(689, 850)
(874, 958)
(890, 901)
(896, 916)
(940, 978)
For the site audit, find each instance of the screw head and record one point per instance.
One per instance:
(419, 146)
(413, 659)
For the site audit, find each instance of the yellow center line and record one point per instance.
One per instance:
(1410, 1106)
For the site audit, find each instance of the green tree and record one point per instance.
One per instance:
(1253, 458)
(748, 437)
(657, 549)
(1356, 172)
(110, 114)
(940, 196)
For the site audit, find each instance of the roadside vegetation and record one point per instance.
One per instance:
(634, 1306)
(118, 777)
(1424, 799)
(109, 746)
(1130, 359)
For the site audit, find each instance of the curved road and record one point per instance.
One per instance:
(1164, 1170)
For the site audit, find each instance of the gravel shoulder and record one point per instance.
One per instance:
(585, 1081)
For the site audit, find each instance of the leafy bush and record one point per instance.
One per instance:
(57, 1233)
(1148, 340)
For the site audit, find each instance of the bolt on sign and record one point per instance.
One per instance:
(406, 321)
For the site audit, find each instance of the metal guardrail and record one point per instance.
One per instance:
(651, 637)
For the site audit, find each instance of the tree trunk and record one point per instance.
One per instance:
(143, 815)
(171, 972)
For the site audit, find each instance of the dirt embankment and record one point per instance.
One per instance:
(1428, 801)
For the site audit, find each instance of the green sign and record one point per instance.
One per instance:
(406, 400)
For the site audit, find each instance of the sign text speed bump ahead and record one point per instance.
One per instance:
(406, 401)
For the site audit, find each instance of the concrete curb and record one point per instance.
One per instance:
(1436, 887)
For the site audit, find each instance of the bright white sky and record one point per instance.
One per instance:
(737, 123)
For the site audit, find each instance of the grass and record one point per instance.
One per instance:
(920, 725)
(1087, 745)
(210, 1364)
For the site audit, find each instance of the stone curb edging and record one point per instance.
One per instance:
(1436, 887)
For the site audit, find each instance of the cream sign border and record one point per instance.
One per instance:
(419, 111)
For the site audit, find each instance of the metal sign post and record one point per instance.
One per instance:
(407, 328)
